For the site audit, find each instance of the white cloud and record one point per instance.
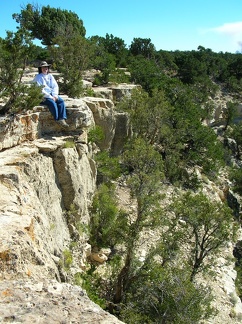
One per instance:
(231, 29)
(227, 36)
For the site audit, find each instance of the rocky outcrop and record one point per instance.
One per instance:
(47, 180)
(48, 302)
(40, 182)
(115, 92)
(38, 122)
(83, 114)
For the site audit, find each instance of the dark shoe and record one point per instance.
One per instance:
(62, 123)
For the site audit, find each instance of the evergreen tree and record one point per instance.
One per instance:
(143, 47)
(166, 295)
(72, 57)
(206, 227)
(45, 23)
(16, 50)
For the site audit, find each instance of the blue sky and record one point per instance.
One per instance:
(170, 24)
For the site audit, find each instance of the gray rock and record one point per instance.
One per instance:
(48, 302)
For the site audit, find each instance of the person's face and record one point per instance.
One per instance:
(44, 69)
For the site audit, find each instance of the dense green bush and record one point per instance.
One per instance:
(15, 51)
(108, 223)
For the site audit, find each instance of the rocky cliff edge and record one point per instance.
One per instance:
(47, 180)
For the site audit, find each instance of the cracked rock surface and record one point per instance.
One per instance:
(48, 302)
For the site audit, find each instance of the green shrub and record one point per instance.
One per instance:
(108, 224)
(92, 283)
(69, 144)
(67, 259)
(95, 134)
(107, 167)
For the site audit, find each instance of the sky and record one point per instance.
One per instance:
(170, 24)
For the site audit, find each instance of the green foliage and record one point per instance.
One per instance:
(191, 67)
(147, 113)
(26, 97)
(143, 182)
(71, 59)
(238, 280)
(236, 178)
(236, 133)
(166, 62)
(89, 92)
(171, 121)
(205, 225)
(147, 170)
(73, 214)
(107, 223)
(151, 290)
(67, 259)
(40, 54)
(69, 144)
(92, 283)
(119, 76)
(168, 140)
(95, 134)
(46, 23)
(232, 84)
(102, 78)
(143, 47)
(230, 113)
(107, 167)
(15, 51)
(115, 46)
(235, 66)
(145, 73)
(74, 220)
(109, 51)
(103, 59)
(166, 296)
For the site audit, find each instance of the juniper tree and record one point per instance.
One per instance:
(45, 22)
(71, 56)
(144, 184)
(205, 227)
(16, 50)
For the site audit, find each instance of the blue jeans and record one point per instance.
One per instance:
(57, 108)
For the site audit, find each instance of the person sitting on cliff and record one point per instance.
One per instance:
(50, 90)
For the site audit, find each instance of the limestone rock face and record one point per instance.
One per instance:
(123, 90)
(122, 132)
(35, 190)
(38, 122)
(48, 302)
(115, 92)
(47, 181)
(104, 117)
(83, 115)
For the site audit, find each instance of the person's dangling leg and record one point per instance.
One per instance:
(61, 108)
(51, 104)
(58, 110)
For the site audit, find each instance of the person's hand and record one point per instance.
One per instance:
(55, 98)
